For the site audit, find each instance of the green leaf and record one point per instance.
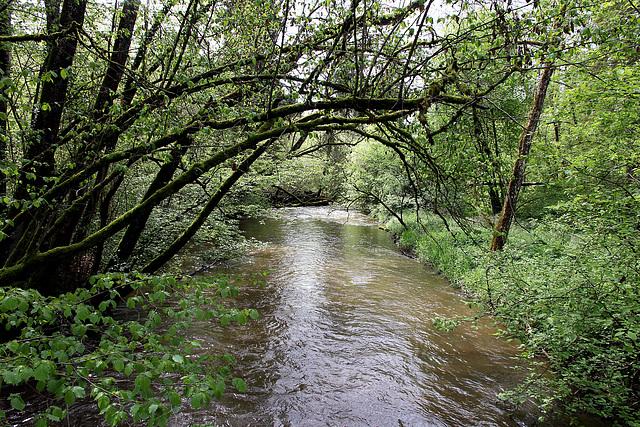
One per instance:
(94, 318)
(118, 365)
(78, 392)
(11, 377)
(175, 399)
(143, 382)
(69, 398)
(83, 313)
(103, 402)
(17, 403)
(197, 400)
(10, 304)
(219, 390)
(135, 409)
(242, 318)
(239, 384)
(42, 371)
(128, 370)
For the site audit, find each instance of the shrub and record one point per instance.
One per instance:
(75, 346)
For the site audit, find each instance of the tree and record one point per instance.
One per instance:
(189, 104)
(517, 178)
(5, 68)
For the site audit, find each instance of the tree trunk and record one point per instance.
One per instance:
(501, 231)
(75, 224)
(41, 149)
(213, 202)
(119, 57)
(135, 229)
(493, 169)
(111, 81)
(5, 66)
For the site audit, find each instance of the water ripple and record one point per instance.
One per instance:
(345, 336)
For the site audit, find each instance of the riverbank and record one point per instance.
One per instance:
(559, 294)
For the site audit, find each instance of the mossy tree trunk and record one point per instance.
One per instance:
(501, 231)
(5, 70)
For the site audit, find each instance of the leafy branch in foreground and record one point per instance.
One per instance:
(86, 345)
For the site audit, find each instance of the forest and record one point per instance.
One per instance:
(497, 139)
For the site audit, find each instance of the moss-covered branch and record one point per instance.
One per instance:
(42, 36)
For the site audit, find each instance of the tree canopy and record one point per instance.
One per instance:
(98, 97)
(126, 127)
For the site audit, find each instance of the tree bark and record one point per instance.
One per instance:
(5, 68)
(501, 231)
(41, 149)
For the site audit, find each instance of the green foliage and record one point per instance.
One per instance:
(376, 180)
(567, 293)
(453, 252)
(135, 363)
(574, 297)
(312, 174)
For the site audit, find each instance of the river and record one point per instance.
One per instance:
(345, 336)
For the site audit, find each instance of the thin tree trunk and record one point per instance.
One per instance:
(501, 231)
(119, 57)
(494, 192)
(213, 202)
(5, 67)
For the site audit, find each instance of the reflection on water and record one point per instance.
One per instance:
(345, 335)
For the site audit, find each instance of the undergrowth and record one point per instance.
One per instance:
(571, 295)
(128, 352)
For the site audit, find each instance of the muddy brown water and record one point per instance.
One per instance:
(345, 337)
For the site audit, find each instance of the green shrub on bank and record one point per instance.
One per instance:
(569, 295)
(135, 367)
(454, 253)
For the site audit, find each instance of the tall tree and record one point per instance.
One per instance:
(199, 96)
(5, 68)
(524, 147)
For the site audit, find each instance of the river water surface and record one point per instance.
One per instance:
(345, 336)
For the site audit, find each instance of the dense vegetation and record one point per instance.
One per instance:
(566, 285)
(129, 130)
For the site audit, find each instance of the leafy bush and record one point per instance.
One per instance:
(568, 291)
(81, 345)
